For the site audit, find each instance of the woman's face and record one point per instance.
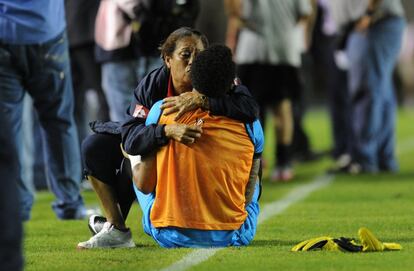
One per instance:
(180, 62)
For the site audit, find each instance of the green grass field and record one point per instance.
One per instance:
(384, 203)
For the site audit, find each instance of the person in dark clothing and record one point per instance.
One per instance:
(86, 72)
(122, 66)
(104, 162)
(11, 223)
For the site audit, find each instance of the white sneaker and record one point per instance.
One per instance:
(282, 174)
(108, 237)
(343, 160)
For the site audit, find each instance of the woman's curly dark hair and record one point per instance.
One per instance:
(213, 71)
(167, 48)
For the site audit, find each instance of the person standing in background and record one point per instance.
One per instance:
(86, 72)
(301, 145)
(214, 27)
(34, 59)
(330, 71)
(122, 68)
(372, 49)
(265, 38)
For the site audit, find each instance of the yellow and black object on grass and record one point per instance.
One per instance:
(368, 242)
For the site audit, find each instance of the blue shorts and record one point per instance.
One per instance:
(172, 237)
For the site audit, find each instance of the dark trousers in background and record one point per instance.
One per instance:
(271, 84)
(339, 102)
(43, 71)
(330, 80)
(86, 76)
(10, 221)
(301, 145)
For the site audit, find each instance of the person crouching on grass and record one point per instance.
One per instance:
(204, 192)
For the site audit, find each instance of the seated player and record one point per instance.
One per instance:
(203, 193)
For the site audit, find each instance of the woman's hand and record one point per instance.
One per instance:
(186, 134)
(183, 103)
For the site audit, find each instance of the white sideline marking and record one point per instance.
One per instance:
(269, 210)
(194, 258)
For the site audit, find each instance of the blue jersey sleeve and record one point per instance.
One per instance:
(255, 132)
(154, 114)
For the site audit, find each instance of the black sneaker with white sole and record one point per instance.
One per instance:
(96, 223)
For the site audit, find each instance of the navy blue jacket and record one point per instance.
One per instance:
(140, 139)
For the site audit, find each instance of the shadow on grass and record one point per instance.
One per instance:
(146, 246)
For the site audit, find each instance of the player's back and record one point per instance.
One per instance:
(202, 186)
